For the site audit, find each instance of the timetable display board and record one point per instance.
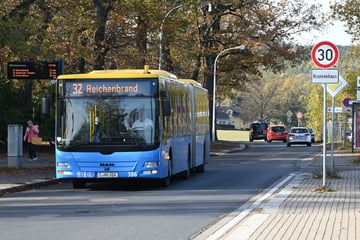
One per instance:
(33, 69)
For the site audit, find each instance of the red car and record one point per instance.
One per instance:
(276, 132)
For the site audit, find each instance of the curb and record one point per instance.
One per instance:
(241, 148)
(34, 184)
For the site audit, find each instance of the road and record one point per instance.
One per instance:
(141, 211)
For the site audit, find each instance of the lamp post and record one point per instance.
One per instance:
(162, 33)
(242, 47)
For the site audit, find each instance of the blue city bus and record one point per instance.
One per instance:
(122, 124)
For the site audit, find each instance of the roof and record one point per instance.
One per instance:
(124, 73)
(191, 81)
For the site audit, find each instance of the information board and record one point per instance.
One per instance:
(34, 69)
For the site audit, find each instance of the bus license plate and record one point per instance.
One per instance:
(107, 175)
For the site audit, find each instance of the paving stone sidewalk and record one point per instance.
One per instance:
(302, 210)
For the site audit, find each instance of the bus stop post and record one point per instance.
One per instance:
(15, 145)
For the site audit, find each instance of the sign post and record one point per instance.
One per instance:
(333, 90)
(324, 55)
(299, 116)
(358, 89)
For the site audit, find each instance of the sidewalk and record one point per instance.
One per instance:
(298, 208)
(29, 175)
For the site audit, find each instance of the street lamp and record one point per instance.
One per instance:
(162, 33)
(242, 47)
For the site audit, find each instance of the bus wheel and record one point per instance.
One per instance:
(186, 174)
(165, 182)
(78, 184)
(201, 168)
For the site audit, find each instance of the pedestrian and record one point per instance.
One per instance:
(30, 132)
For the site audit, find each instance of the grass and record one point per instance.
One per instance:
(324, 189)
(233, 135)
(331, 174)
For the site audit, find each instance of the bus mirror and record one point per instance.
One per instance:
(166, 107)
(61, 89)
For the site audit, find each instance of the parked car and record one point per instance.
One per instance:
(312, 135)
(299, 135)
(348, 135)
(258, 130)
(276, 132)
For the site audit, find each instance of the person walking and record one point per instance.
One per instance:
(30, 132)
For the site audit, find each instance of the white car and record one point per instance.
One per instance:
(299, 135)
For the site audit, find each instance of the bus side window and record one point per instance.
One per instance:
(166, 107)
(165, 103)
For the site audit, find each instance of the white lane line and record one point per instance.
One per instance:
(250, 225)
(240, 215)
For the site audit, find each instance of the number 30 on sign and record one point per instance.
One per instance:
(325, 54)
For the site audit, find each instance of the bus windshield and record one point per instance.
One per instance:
(115, 120)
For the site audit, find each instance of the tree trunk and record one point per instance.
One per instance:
(102, 9)
(141, 41)
(195, 72)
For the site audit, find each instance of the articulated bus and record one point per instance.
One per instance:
(138, 124)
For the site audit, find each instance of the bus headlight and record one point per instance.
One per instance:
(63, 165)
(151, 164)
(154, 171)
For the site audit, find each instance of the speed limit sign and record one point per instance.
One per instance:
(325, 54)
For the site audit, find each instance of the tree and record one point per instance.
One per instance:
(264, 28)
(349, 12)
(270, 98)
(101, 15)
(103, 34)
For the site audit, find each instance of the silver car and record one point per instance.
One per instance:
(299, 135)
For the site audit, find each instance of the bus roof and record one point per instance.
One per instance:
(192, 82)
(125, 73)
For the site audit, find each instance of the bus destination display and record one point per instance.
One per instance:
(112, 87)
(33, 69)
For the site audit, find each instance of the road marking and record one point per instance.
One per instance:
(240, 215)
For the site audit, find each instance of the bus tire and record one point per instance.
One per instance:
(186, 174)
(165, 182)
(201, 168)
(77, 184)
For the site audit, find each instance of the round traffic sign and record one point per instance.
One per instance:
(346, 102)
(299, 115)
(325, 54)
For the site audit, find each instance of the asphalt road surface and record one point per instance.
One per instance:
(143, 211)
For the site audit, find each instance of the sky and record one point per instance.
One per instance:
(334, 33)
